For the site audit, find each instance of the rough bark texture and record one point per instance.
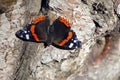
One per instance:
(90, 19)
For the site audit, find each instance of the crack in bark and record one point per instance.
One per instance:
(20, 61)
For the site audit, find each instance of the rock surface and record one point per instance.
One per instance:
(91, 20)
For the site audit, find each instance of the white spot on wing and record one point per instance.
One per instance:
(75, 41)
(25, 31)
(76, 47)
(71, 45)
(21, 36)
(27, 36)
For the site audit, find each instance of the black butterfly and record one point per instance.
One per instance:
(58, 34)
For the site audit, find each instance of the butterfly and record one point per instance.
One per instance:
(59, 34)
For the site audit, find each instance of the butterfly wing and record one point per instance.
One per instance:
(64, 37)
(58, 29)
(25, 34)
(36, 31)
(69, 43)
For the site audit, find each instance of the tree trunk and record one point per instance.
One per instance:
(92, 20)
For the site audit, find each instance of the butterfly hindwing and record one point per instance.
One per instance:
(69, 43)
(36, 31)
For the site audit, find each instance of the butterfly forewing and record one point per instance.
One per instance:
(36, 31)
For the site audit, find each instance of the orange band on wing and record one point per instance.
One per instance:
(70, 34)
(64, 21)
(33, 33)
(38, 19)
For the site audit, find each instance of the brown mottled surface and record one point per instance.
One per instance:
(7, 3)
(29, 61)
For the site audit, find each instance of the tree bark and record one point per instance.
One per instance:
(91, 20)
